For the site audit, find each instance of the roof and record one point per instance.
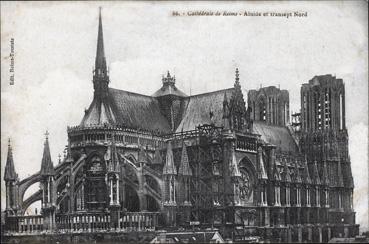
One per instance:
(197, 109)
(136, 110)
(169, 90)
(276, 135)
(99, 112)
(129, 109)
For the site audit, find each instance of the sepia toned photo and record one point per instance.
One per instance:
(184, 122)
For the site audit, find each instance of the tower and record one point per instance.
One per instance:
(100, 73)
(269, 104)
(47, 173)
(11, 184)
(324, 141)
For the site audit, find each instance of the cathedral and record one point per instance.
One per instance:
(171, 161)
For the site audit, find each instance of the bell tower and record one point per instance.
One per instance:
(324, 141)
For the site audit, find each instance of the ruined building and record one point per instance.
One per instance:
(138, 162)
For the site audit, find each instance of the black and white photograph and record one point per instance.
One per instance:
(184, 122)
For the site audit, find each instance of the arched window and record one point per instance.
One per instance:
(245, 185)
(262, 110)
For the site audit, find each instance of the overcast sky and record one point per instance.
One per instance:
(55, 47)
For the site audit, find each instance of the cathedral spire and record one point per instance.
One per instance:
(100, 62)
(101, 77)
(47, 167)
(9, 173)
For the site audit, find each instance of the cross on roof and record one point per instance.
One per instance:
(47, 134)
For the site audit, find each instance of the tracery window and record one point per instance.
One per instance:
(245, 185)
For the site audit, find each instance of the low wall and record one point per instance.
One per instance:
(109, 238)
